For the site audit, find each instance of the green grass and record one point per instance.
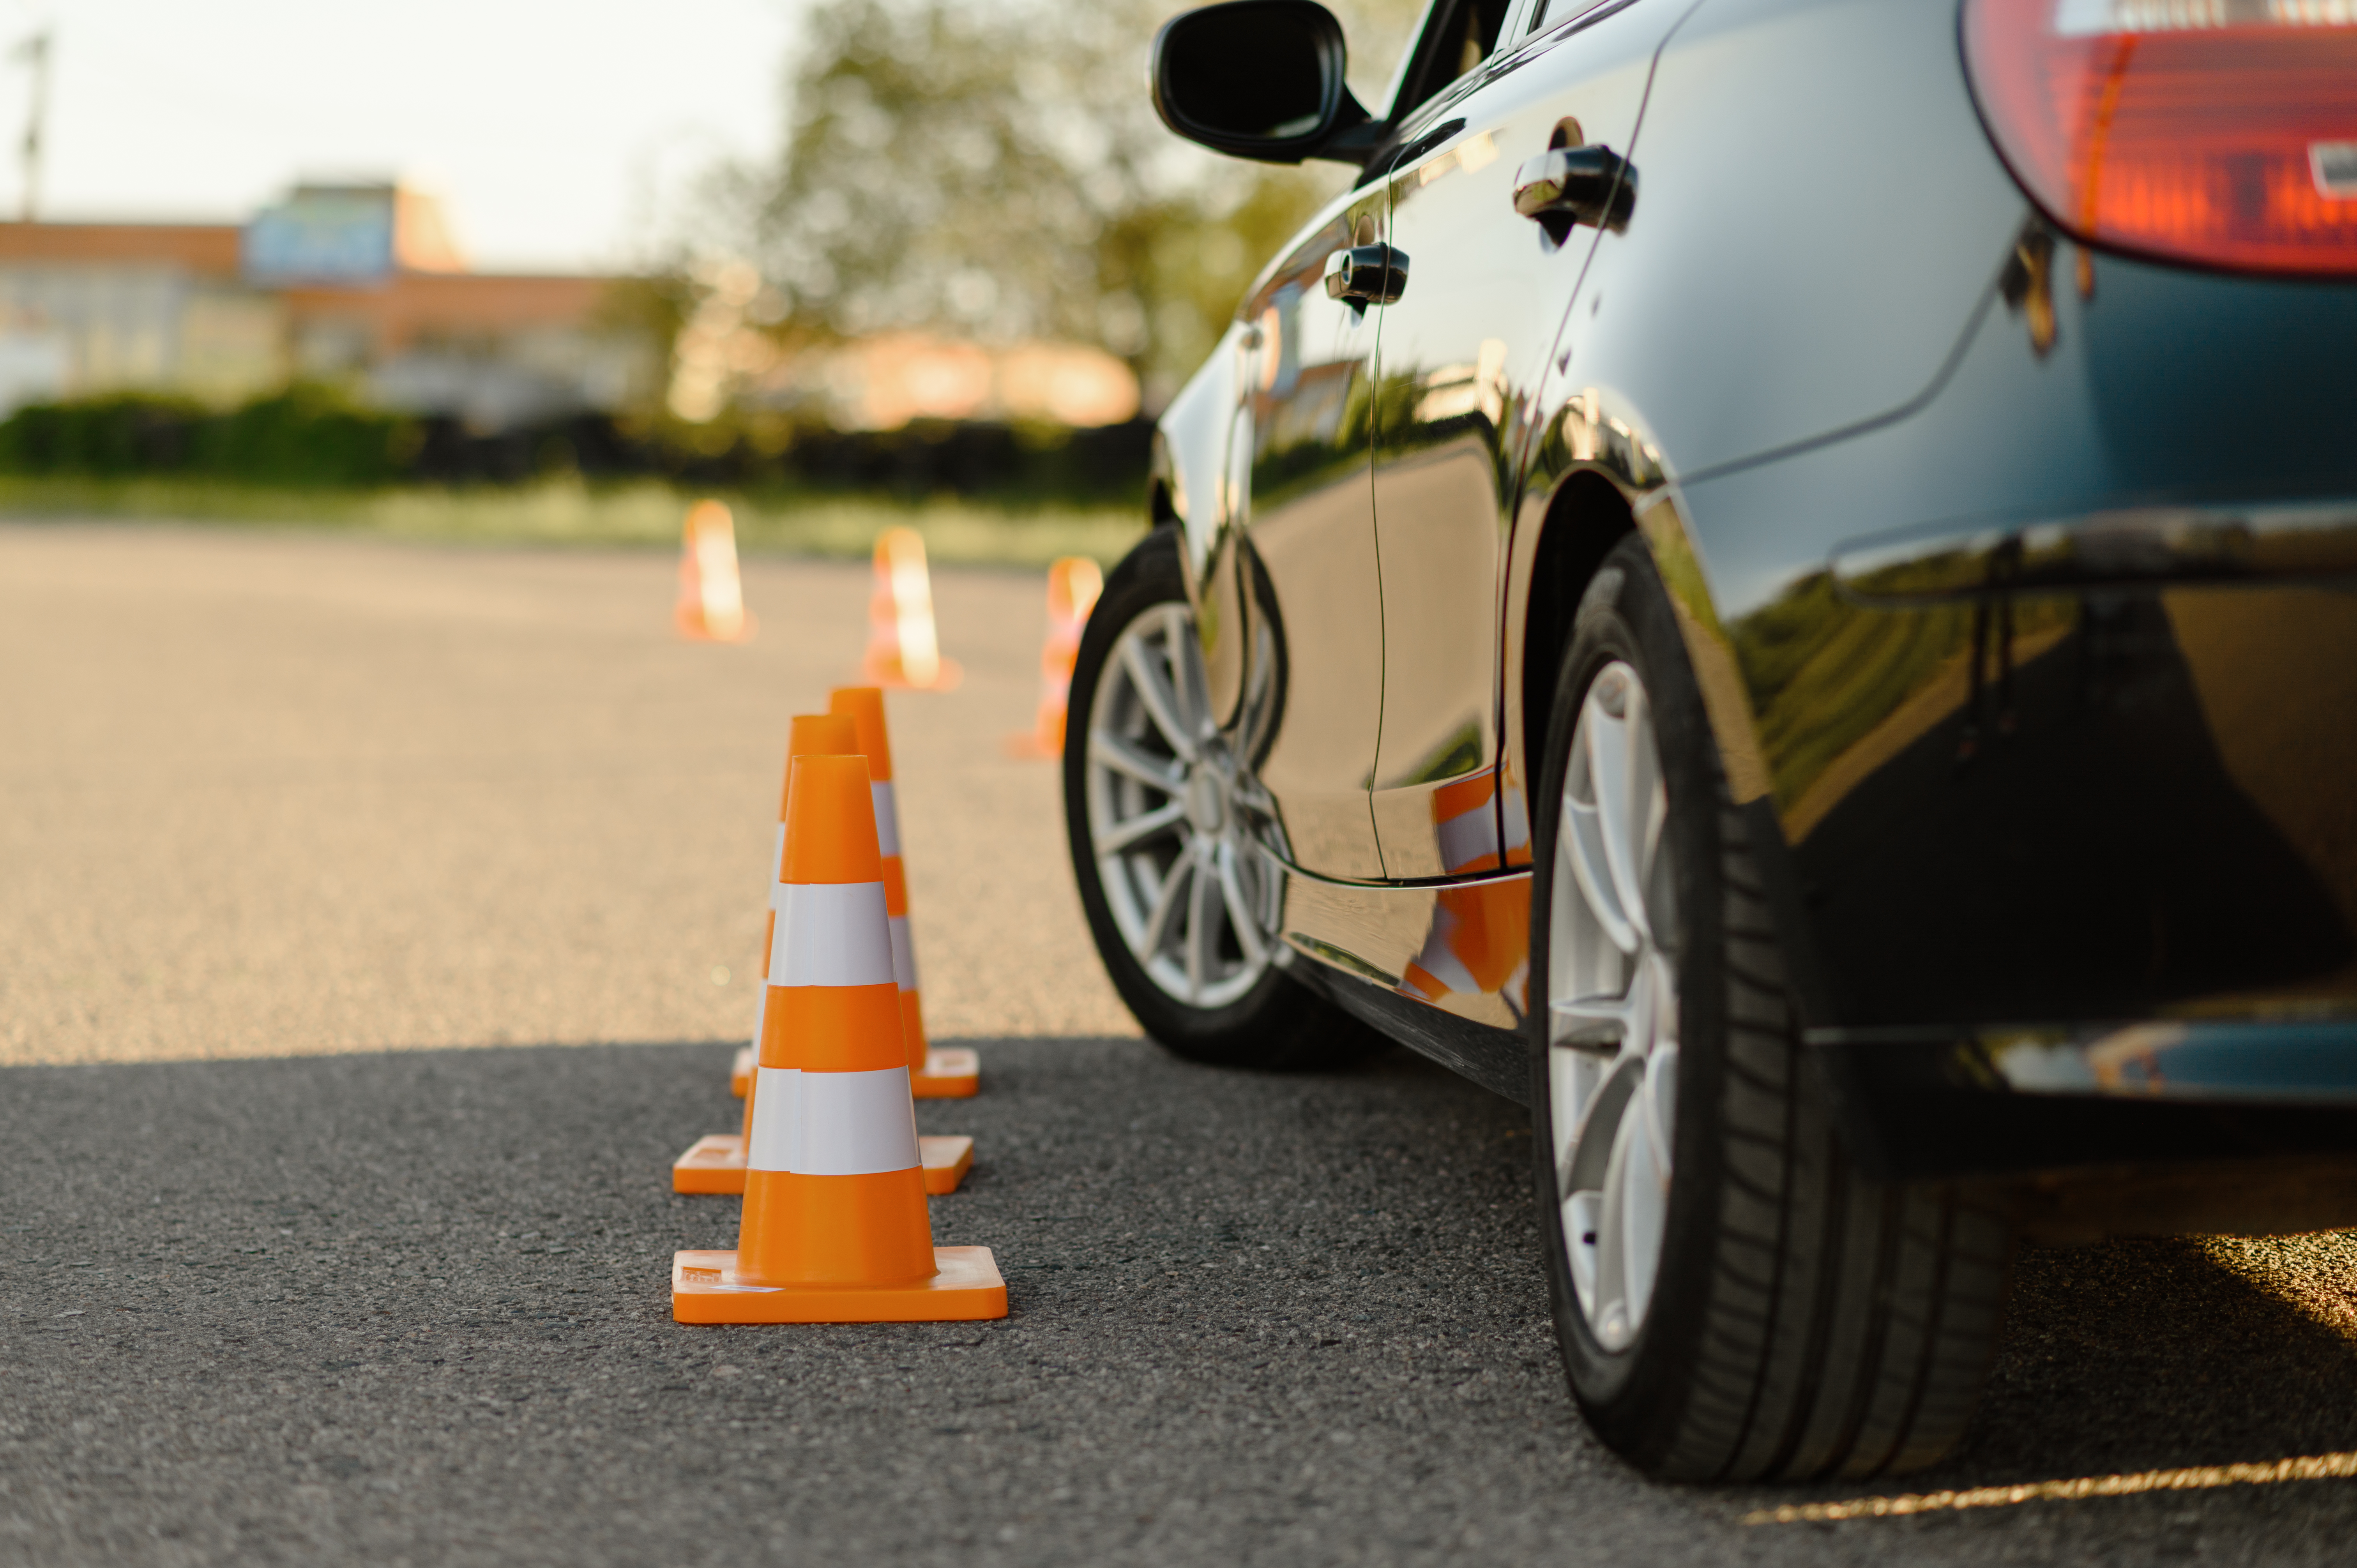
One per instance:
(570, 513)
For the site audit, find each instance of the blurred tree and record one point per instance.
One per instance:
(993, 169)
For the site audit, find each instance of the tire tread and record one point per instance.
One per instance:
(1849, 1322)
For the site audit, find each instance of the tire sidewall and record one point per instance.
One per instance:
(1631, 1396)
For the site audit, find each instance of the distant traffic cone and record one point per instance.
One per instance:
(834, 1228)
(1074, 584)
(954, 1072)
(711, 606)
(716, 1164)
(904, 648)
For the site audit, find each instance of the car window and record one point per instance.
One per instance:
(1553, 13)
(1461, 35)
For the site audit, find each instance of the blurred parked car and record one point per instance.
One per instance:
(1774, 582)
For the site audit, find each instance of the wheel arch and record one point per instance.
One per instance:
(1575, 528)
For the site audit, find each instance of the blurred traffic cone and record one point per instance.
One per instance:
(716, 1164)
(711, 606)
(1479, 942)
(834, 1228)
(954, 1072)
(903, 647)
(1074, 584)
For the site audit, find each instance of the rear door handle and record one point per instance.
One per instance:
(1367, 275)
(1591, 185)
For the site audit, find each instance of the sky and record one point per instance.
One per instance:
(557, 132)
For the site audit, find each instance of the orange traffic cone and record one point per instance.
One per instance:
(954, 1072)
(904, 649)
(711, 606)
(834, 1228)
(1074, 584)
(716, 1164)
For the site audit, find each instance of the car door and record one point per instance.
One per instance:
(1302, 585)
(1460, 356)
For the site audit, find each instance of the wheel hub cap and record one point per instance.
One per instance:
(1206, 802)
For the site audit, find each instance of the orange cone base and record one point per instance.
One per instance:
(693, 628)
(716, 1164)
(887, 672)
(946, 1162)
(704, 1289)
(954, 1073)
(740, 1072)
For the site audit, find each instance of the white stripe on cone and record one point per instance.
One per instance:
(888, 819)
(830, 933)
(1466, 837)
(833, 1123)
(904, 955)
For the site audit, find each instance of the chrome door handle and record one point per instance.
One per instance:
(1367, 275)
(1592, 185)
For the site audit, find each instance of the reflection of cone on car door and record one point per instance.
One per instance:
(1479, 942)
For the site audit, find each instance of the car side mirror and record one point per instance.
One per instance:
(1259, 79)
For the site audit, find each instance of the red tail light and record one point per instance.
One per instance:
(2218, 132)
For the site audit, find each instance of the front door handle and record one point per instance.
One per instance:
(1592, 185)
(1367, 275)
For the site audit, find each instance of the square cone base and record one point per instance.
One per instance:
(952, 1074)
(716, 1164)
(704, 1289)
(740, 1072)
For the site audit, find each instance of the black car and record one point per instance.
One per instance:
(1773, 581)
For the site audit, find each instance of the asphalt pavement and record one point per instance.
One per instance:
(376, 922)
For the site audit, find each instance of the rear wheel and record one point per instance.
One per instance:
(1162, 818)
(1733, 1299)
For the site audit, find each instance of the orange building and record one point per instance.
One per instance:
(356, 284)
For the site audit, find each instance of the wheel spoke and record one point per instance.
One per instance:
(1614, 1320)
(1613, 750)
(1649, 800)
(1160, 702)
(1188, 685)
(1589, 1020)
(1202, 907)
(1175, 882)
(1242, 918)
(1581, 846)
(1660, 1096)
(1644, 1183)
(1123, 757)
(1144, 825)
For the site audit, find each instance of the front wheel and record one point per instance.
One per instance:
(1733, 1299)
(1160, 814)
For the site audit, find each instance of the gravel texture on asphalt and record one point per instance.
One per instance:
(451, 846)
(409, 1307)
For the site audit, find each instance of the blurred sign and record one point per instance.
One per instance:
(323, 235)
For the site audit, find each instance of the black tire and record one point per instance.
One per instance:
(1806, 1322)
(1278, 1023)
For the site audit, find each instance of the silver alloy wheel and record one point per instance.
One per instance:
(1171, 819)
(1613, 1013)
